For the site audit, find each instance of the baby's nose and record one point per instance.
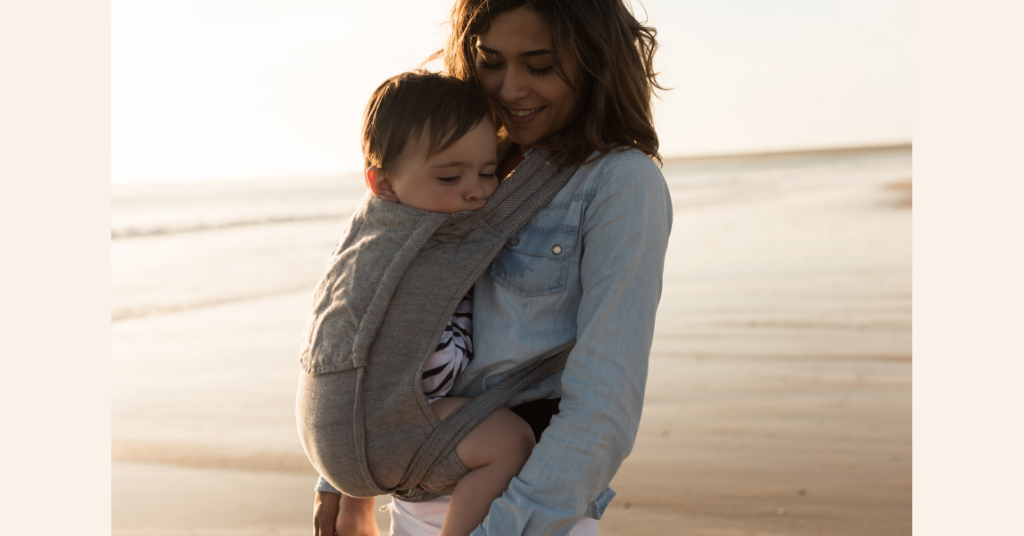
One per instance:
(478, 191)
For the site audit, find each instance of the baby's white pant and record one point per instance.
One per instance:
(425, 519)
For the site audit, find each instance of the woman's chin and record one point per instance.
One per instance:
(522, 139)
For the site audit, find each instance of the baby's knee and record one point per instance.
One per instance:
(502, 439)
(518, 434)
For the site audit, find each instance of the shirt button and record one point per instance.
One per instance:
(557, 249)
(513, 241)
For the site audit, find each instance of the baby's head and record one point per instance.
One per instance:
(429, 142)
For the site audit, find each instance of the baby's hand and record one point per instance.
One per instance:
(355, 517)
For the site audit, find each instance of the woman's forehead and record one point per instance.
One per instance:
(516, 32)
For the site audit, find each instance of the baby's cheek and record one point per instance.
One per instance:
(449, 203)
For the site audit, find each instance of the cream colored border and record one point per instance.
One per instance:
(968, 267)
(54, 224)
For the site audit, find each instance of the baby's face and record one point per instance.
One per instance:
(458, 178)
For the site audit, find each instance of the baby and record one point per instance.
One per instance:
(429, 143)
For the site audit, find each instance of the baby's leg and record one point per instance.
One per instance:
(494, 452)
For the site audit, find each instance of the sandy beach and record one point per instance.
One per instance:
(779, 393)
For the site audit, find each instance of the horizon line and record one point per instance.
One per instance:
(665, 160)
(794, 152)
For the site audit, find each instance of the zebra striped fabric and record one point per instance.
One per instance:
(453, 352)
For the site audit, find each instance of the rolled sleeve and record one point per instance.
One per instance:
(624, 234)
(323, 485)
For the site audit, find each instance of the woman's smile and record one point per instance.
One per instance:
(521, 116)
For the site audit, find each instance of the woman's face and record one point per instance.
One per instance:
(514, 66)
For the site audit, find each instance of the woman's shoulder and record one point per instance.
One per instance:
(621, 167)
(625, 156)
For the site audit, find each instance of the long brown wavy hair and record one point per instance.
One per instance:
(615, 55)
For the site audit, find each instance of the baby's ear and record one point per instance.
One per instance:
(378, 183)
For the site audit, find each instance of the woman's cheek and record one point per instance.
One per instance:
(490, 82)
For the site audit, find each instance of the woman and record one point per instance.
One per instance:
(574, 77)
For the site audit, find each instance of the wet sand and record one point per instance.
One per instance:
(779, 393)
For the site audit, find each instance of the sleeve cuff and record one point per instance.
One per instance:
(597, 507)
(594, 510)
(323, 485)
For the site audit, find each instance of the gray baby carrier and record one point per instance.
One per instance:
(379, 311)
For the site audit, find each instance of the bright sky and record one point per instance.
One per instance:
(224, 89)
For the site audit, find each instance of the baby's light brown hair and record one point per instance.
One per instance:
(403, 105)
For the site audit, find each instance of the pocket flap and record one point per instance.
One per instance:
(555, 242)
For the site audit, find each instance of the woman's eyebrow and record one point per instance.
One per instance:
(538, 52)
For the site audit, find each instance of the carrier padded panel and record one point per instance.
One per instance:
(378, 312)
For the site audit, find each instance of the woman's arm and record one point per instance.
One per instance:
(335, 513)
(624, 234)
(325, 512)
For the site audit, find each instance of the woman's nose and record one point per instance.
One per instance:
(512, 87)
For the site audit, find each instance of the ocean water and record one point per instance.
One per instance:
(180, 246)
(176, 247)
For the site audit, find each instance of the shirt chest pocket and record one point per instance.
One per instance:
(535, 260)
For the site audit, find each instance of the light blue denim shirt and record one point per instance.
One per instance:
(587, 268)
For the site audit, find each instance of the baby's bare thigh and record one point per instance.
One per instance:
(443, 407)
(503, 437)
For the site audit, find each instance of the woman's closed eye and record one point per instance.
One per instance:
(540, 71)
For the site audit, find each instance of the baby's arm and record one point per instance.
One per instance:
(494, 452)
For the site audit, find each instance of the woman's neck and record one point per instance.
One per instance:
(513, 158)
